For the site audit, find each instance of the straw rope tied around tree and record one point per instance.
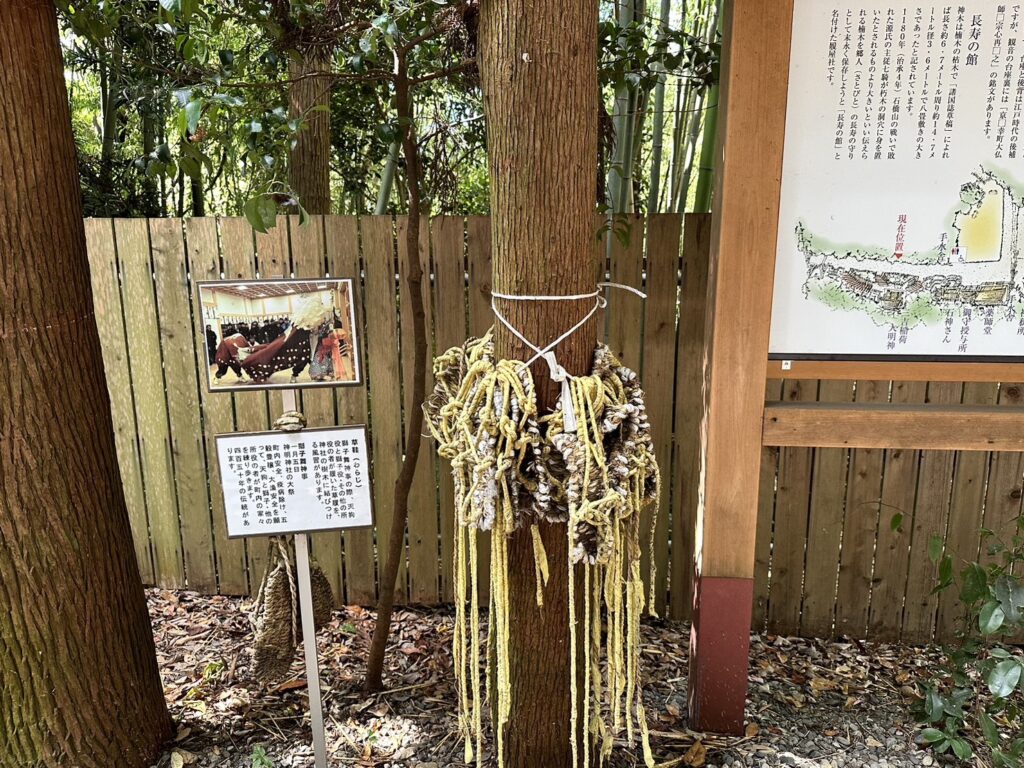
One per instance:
(590, 463)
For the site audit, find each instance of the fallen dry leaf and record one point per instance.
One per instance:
(695, 755)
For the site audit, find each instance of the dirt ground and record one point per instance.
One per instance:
(812, 703)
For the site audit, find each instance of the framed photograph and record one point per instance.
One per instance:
(279, 334)
(277, 483)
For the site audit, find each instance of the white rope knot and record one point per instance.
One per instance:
(557, 372)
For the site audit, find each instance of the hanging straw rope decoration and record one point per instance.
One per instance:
(514, 468)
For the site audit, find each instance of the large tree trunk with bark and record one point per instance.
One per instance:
(309, 169)
(538, 64)
(79, 685)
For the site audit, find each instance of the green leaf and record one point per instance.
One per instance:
(973, 583)
(896, 523)
(935, 547)
(193, 111)
(1003, 678)
(991, 618)
(946, 572)
(988, 728)
(961, 749)
(191, 167)
(932, 735)
(1010, 594)
(268, 211)
(934, 706)
(253, 215)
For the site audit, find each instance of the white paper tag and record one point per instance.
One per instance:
(568, 414)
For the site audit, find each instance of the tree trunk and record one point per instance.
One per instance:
(79, 685)
(413, 276)
(196, 192)
(150, 202)
(542, 141)
(658, 131)
(309, 162)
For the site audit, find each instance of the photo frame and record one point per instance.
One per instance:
(279, 334)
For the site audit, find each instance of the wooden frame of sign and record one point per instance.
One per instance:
(736, 424)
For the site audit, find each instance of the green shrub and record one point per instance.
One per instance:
(975, 701)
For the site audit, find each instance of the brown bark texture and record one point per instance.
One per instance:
(413, 275)
(538, 64)
(309, 161)
(79, 684)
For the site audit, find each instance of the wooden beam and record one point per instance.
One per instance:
(745, 232)
(869, 425)
(852, 370)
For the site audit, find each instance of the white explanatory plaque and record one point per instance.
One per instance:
(278, 483)
(901, 222)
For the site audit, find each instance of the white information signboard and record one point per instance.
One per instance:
(278, 483)
(901, 219)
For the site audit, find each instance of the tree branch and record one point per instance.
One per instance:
(467, 64)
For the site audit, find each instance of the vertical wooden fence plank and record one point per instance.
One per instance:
(481, 317)
(175, 319)
(448, 248)
(689, 407)
(218, 414)
(899, 495)
(792, 498)
(106, 292)
(765, 521)
(965, 514)
(250, 407)
(386, 395)
(626, 310)
(1003, 501)
(273, 260)
(825, 525)
(308, 261)
(860, 526)
(930, 516)
(143, 336)
(423, 524)
(659, 365)
(1004, 512)
(624, 321)
(342, 236)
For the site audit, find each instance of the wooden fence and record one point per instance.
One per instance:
(828, 562)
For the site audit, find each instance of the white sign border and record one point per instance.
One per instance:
(278, 433)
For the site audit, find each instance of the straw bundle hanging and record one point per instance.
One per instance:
(513, 468)
(278, 629)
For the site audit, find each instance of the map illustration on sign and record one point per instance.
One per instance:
(975, 263)
(902, 211)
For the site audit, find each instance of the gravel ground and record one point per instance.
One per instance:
(812, 704)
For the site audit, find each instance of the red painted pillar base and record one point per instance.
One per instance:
(719, 653)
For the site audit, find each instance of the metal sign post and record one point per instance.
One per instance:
(316, 712)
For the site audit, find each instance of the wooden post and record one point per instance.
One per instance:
(745, 229)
